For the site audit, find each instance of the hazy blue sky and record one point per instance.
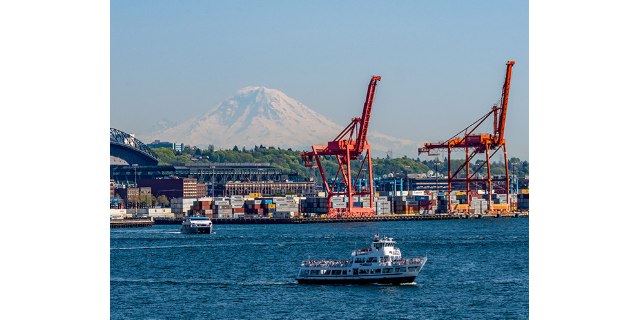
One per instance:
(442, 62)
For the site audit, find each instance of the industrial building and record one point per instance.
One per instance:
(213, 176)
(268, 188)
(178, 147)
(174, 188)
(206, 173)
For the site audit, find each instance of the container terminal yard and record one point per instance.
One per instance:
(465, 194)
(253, 208)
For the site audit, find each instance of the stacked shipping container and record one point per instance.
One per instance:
(523, 199)
(414, 202)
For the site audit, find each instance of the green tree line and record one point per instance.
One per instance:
(291, 163)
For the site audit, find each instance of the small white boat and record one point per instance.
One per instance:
(196, 225)
(381, 263)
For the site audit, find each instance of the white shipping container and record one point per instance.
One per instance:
(118, 213)
(339, 205)
(159, 210)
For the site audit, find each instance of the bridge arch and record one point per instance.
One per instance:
(131, 150)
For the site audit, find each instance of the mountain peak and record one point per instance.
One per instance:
(260, 116)
(266, 92)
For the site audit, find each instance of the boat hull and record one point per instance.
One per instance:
(196, 230)
(358, 280)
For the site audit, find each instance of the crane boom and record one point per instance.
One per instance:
(505, 100)
(350, 144)
(366, 114)
(473, 144)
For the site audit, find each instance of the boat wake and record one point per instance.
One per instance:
(205, 283)
(165, 247)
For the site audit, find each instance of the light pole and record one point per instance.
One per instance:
(407, 176)
(436, 163)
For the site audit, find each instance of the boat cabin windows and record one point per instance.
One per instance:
(412, 269)
(325, 272)
(378, 246)
(359, 260)
(401, 269)
(372, 259)
(377, 271)
(387, 270)
(362, 271)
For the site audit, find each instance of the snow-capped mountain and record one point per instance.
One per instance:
(268, 117)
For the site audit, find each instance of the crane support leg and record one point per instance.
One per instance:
(348, 181)
(371, 194)
(489, 176)
(466, 150)
(506, 170)
(449, 173)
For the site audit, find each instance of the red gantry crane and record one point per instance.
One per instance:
(346, 147)
(475, 143)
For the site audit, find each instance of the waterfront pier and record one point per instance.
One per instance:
(404, 217)
(132, 223)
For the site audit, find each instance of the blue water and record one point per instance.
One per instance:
(476, 269)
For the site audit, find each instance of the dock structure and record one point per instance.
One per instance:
(127, 223)
(362, 219)
(378, 218)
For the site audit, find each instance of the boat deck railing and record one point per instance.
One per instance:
(325, 264)
(367, 251)
(343, 264)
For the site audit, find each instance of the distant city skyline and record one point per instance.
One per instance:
(442, 64)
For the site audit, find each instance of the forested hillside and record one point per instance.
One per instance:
(291, 163)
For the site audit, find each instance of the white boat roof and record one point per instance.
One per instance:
(384, 239)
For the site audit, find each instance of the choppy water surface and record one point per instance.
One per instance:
(477, 269)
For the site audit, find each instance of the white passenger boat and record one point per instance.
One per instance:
(381, 263)
(196, 225)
